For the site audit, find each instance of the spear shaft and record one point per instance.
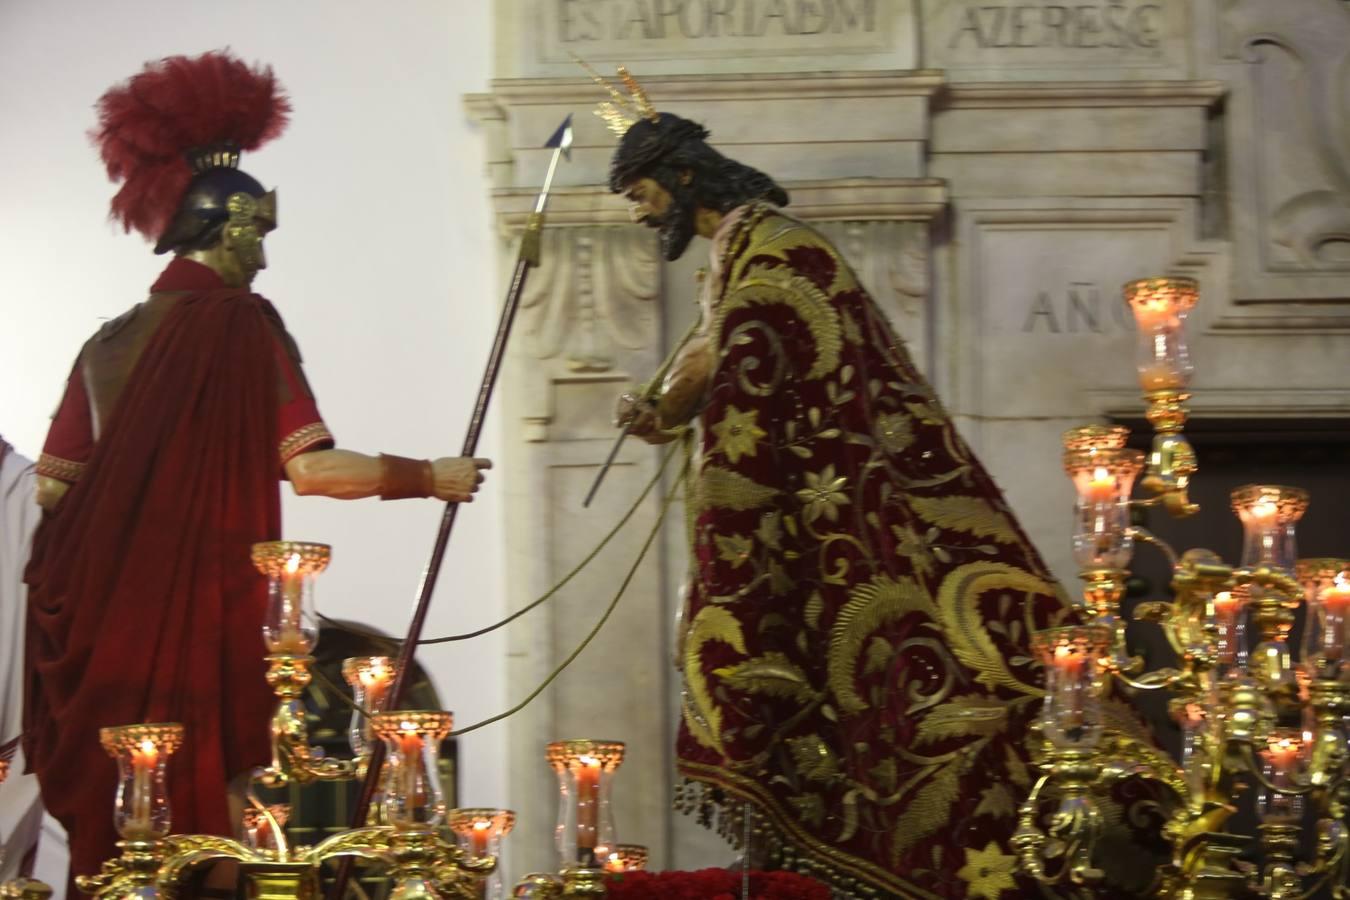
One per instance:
(526, 259)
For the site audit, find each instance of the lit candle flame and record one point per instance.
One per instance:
(293, 564)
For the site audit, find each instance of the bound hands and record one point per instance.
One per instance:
(680, 398)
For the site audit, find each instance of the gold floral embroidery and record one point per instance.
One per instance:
(989, 872)
(737, 433)
(302, 439)
(734, 548)
(50, 466)
(823, 495)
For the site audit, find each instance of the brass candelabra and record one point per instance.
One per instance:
(1250, 715)
(430, 852)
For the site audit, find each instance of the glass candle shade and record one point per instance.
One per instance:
(1282, 761)
(1269, 513)
(141, 808)
(479, 833)
(1071, 716)
(413, 796)
(585, 833)
(1326, 590)
(1103, 478)
(1160, 307)
(370, 678)
(1230, 625)
(291, 567)
(627, 858)
(258, 831)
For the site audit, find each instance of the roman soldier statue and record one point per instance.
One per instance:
(163, 464)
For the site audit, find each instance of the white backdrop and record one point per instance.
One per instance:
(382, 267)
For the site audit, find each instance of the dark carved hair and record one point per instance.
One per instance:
(661, 150)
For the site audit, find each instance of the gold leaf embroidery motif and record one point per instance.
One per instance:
(723, 489)
(734, 548)
(928, 811)
(779, 287)
(813, 757)
(973, 515)
(963, 716)
(771, 674)
(959, 600)
(997, 801)
(713, 623)
(870, 606)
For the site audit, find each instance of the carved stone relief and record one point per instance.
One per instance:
(1290, 145)
(595, 290)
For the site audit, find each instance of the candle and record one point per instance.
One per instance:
(144, 758)
(1161, 376)
(1069, 663)
(614, 863)
(1284, 754)
(1102, 487)
(376, 681)
(1226, 608)
(1335, 604)
(410, 751)
(588, 802)
(479, 837)
(292, 602)
(1155, 314)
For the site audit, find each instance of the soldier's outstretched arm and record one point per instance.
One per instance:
(348, 475)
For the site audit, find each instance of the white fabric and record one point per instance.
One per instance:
(20, 810)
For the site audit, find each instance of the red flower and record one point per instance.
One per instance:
(714, 884)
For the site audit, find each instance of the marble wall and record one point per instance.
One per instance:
(994, 170)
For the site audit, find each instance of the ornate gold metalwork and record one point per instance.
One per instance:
(25, 889)
(166, 736)
(1171, 461)
(1096, 437)
(619, 113)
(632, 857)
(272, 558)
(564, 753)
(584, 882)
(293, 759)
(539, 886)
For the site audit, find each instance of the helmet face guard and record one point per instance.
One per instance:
(216, 203)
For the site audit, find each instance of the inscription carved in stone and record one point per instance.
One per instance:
(637, 29)
(1013, 34)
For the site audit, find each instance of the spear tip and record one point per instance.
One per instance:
(562, 138)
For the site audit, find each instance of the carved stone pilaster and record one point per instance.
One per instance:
(1288, 146)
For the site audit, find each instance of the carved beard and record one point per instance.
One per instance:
(677, 224)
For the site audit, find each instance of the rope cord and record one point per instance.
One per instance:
(609, 611)
(613, 604)
(576, 570)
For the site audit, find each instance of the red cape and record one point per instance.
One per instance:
(143, 605)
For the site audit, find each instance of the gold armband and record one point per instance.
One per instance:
(402, 478)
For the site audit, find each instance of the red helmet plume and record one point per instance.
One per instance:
(148, 123)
